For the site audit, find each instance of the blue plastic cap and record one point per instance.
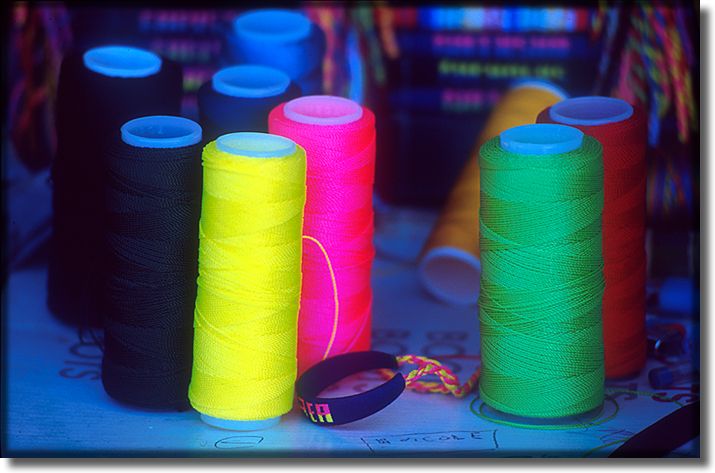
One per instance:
(161, 131)
(272, 25)
(243, 425)
(591, 111)
(250, 81)
(540, 84)
(255, 145)
(122, 61)
(541, 138)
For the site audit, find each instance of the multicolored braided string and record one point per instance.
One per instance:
(448, 382)
(650, 47)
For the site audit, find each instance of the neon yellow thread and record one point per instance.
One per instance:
(249, 284)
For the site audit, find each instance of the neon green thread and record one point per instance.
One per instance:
(542, 281)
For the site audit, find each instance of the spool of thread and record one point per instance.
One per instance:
(449, 265)
(542, 281)
(153, 201)
(336, 301)
(621, 130)
(283, 39)
(239, 98)
(98, 91)
(249, 280)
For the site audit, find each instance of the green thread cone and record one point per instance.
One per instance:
(542, 280)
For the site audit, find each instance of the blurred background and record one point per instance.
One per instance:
(430, 73)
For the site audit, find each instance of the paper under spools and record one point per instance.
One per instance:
(97, 92)
(621, 130)
(542, 280)
(249, 280)
(153, 201)
(239, 98)
(449, 265)
(336, 301)
(283, 39)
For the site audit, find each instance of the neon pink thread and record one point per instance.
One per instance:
(339, 214)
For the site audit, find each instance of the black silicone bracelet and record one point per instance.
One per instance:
(342, 410)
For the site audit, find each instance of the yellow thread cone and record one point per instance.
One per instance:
(249, 280)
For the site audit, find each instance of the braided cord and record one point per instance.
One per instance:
(448, 382)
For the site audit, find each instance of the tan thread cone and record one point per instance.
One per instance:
(449, 264)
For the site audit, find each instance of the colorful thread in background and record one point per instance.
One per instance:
(541, 285)
(493, 18)
(40, 37)
(455, 69)
(672, 185)
(624, 257)
(378, 33)
(332, 21)
(449, 261)
(444, 67)
(339, 214)
(249, 278)
(193, 38)
(448, 100)
(649, 60)
(492, 45)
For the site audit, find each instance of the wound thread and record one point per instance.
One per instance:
(338, 214)
(542, 280)
(239, 98)
(91, 107)
(624, 214)
(449, 265)
(249, 281)
(152, 213)
(280, 38)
